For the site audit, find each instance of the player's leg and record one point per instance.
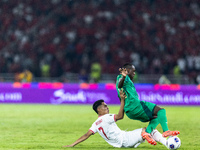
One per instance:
(157, 136)
(133, 138)
(147, 109)
(142, 116)
(162, 119)
(152, 125)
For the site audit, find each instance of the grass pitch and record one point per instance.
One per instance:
(53, 126)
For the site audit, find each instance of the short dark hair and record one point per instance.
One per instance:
(127, 65)
(97, 104)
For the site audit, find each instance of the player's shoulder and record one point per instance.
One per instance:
(98, 120)
(108, 115)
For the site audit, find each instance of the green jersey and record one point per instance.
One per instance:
(134, 108)
(140, 110)
(132, 100)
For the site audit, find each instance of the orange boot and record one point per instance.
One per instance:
(149, 138)
(170, 133)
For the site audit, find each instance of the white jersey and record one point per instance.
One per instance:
(105, 125)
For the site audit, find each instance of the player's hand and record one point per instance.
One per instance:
(122, 95)
(123, 71)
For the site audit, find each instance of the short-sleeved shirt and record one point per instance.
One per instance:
(132, 100)
(106, 126)
(134, 108)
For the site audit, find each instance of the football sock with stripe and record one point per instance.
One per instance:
(157, 136)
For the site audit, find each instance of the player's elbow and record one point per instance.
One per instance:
(121, 117)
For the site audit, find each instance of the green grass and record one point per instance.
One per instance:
(52, 126)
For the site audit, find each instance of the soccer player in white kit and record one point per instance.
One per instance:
(106, 126)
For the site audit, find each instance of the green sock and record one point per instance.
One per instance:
(162, 118)
(152, 125)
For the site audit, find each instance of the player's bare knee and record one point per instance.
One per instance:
(157, 109)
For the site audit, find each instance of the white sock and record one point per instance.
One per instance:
(157, 136)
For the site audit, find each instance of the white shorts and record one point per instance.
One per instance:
(131, 138)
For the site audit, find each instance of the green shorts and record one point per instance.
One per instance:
(144, 112)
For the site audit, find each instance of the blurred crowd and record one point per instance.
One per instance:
(52, 37)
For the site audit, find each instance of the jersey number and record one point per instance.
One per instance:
(101, 129)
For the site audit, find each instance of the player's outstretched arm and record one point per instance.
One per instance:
(120, 114)
(124, 72)
(81, 139)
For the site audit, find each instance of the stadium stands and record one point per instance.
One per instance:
(55, 37)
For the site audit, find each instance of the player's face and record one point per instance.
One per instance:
(104, 108)
(131, 72)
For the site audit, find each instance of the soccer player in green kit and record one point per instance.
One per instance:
(141, 110)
